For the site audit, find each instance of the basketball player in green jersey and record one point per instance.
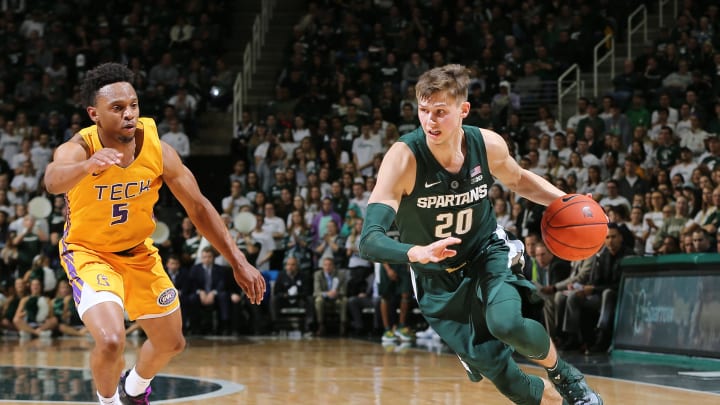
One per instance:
(434, 183)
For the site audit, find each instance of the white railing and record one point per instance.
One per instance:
(561, 93)
(661, 11)
(631, 29)
(607, 42)
(251, 54)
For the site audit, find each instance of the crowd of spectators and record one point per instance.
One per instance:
(175, 50)
(305, 162)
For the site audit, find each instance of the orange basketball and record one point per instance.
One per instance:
(574, 227)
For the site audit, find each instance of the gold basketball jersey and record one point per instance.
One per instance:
(112, 211)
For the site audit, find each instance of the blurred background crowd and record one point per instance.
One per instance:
(304, 162)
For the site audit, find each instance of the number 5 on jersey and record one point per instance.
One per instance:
(119, 213)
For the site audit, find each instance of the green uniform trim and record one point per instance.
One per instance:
(375, 245)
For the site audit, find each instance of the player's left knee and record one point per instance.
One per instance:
(174, 345)
(505, 328)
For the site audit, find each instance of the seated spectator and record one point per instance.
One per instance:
(613, 196)
(206, 292)
(329, 292)
(368, 297)
(549, 271)
(164, 73)
(626, 83)
(265, 239)
(65, 311)
(180, 278)
(630, 184)
(664, 103)
(503, 103)
(292, 291)
(676, 82)
(618, 124)
(177, 139)
(597, 298)
(186, 106)
(412, 69)
(667, 151)
(694, 137)
(594, 185)
(9, 308)
(34, 316)
(560, 290)
(675, 223)
(40, 270)
(395, 292)
(637, 114)
(685, 164)
(528, 86)
(581, 105)
(702, 242)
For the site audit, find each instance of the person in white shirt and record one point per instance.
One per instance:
(694, 137)
(364, 149)
(185, 104)
(683, 123)
(685, 164)
(9, 142)
(267, 244)
(573, 121)
(299, 131)
(22, 156)
(613, 196)
(233, 203)
(589, 159)
(25, 183)
(41, 153)
(664, 102)
(177, 139)
(359, 197)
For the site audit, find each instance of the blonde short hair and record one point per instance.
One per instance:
(452, 79)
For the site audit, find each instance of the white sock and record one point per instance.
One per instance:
(114, 400)
(136, 385)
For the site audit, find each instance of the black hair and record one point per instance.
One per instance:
(101, 76)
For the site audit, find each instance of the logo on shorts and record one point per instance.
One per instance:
(167, 297)
(102, 280)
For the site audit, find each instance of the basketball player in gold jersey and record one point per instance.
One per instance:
(111, 173)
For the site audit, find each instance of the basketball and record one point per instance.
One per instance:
(574, 227)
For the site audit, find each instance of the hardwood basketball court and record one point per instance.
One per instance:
(285, 371)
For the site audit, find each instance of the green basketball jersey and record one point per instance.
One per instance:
(444, 204)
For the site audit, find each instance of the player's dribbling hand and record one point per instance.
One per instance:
(252, 282)
(434, 252)
(103, 160)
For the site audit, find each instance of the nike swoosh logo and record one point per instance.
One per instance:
(428, 185)
(566, 199)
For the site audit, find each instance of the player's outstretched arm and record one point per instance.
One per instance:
(524, 182)
(71, 164)
(395, 179)
(201, 212)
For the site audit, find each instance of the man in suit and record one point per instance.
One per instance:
(597, 298)
(180, 278)
(206, 291)
(559, 291)
(330, 287)
(290, 291)
(550, 270)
